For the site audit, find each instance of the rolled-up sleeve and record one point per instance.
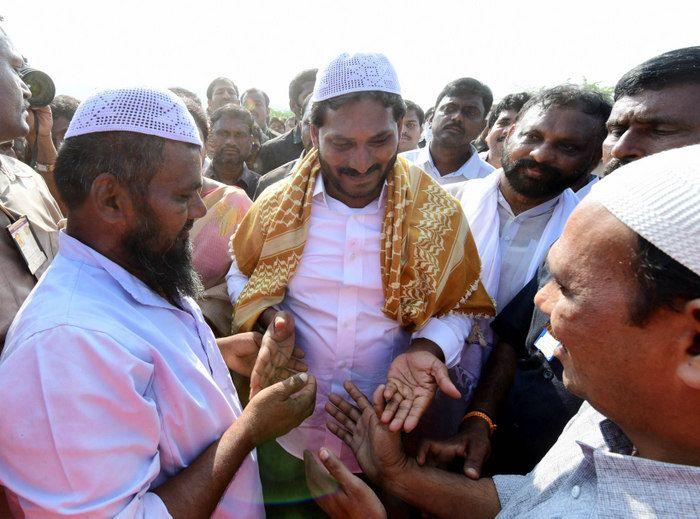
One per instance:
(77, 436)
(449, 332)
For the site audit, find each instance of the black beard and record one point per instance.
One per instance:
(222, 163)
(354, 173)
(170, 272)
(552, 183)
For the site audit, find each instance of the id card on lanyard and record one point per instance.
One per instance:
(26, 242)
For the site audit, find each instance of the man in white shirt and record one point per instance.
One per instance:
(117, 401)
(355, 245)
(460, 116)
(519, 211)
(624, 302)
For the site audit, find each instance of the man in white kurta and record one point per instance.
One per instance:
(519, 211)
(117, 401)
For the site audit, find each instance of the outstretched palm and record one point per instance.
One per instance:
(278, 358)
(377, 449)
(412, 381)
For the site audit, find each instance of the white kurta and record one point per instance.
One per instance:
(336, 297)
(107, 391)
(473, 168)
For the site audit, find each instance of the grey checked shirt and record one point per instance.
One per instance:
(590, 472)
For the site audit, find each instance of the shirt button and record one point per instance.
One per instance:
(548, 375)
(575, 491)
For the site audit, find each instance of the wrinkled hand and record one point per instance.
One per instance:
(412, 381)
(377, 449)
(240, 351)
(278, 358)
(339, 492)
(278, 409)
(472, 442)
(42, 115)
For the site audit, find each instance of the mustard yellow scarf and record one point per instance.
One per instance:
(429, 263)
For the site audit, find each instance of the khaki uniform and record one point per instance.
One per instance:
(23, 192)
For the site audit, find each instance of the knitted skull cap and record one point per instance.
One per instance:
(141, 110)
(360, 72)
(658, 197)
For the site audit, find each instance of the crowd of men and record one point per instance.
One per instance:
(481, 309)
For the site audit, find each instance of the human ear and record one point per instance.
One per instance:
(111, 200)
(689, 369)
(314, 134)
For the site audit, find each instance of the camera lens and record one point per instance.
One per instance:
(40, 84)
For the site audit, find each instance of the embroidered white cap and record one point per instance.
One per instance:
(658, 197)
(141, 110)
(360, 72)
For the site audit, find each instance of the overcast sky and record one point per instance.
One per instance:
(511, 46)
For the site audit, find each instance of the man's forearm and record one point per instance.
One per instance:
(444, 494)
(196, 490)
(496, 380)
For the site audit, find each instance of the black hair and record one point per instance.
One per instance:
(467, 86)
(410, 105)
(257, 90)
(231, 110)
(571, 96)
(212, 85)
(512, 102)
(199, 115)
(388, 100)
(64, 106)
(662, 282)
(132, 158)
(676, 67)
(296, 84)
(183, 94)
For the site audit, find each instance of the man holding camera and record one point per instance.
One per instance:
(29, 215)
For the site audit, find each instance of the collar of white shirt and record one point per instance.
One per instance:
(530, 213)
(475, 167)
(75, 250)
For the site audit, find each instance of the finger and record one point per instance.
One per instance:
(346, 407)
(296, 365)
(317, 478)
(357, 395)
(423, 450)
(378, 400)
(338, 470)
(340, 416)
(402, 413)
(389, 390)
(442, 377)
(298, 353)
(288, 387)
(282, 326)
(478, 452)
(258, 373)
(418, 407)
(340, 432)
(391, 408)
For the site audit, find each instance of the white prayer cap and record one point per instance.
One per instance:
(360, 72)
(140, 110)
(658, 197)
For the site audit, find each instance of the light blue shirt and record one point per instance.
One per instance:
(108, 391)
